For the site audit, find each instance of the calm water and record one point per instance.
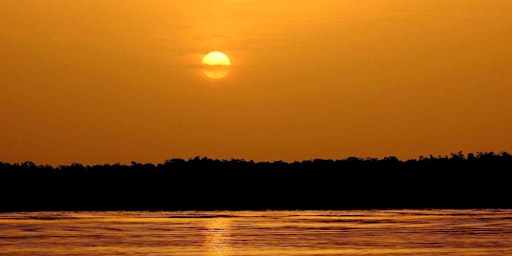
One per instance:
(430, 232)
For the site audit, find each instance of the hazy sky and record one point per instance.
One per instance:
(97, 81)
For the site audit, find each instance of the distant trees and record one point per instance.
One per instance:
(457, 181)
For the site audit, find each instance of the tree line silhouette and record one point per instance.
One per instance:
(456, 181)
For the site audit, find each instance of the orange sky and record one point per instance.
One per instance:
(106, 81)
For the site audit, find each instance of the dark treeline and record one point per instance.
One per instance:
(458, 181)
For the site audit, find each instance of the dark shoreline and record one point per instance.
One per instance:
(477, 181)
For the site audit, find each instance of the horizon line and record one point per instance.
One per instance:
(458, 155)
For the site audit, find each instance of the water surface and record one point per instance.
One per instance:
(258, 233)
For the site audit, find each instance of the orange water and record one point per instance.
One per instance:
(398, 232)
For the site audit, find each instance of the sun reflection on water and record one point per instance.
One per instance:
(218, 237)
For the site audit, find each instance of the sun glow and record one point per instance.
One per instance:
(216, 65)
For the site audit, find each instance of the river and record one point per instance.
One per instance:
(258, 233)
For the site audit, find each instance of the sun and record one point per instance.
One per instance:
(216, 58)
(216, 65)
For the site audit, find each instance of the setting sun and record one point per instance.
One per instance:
(216, 59)
(216, 65)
